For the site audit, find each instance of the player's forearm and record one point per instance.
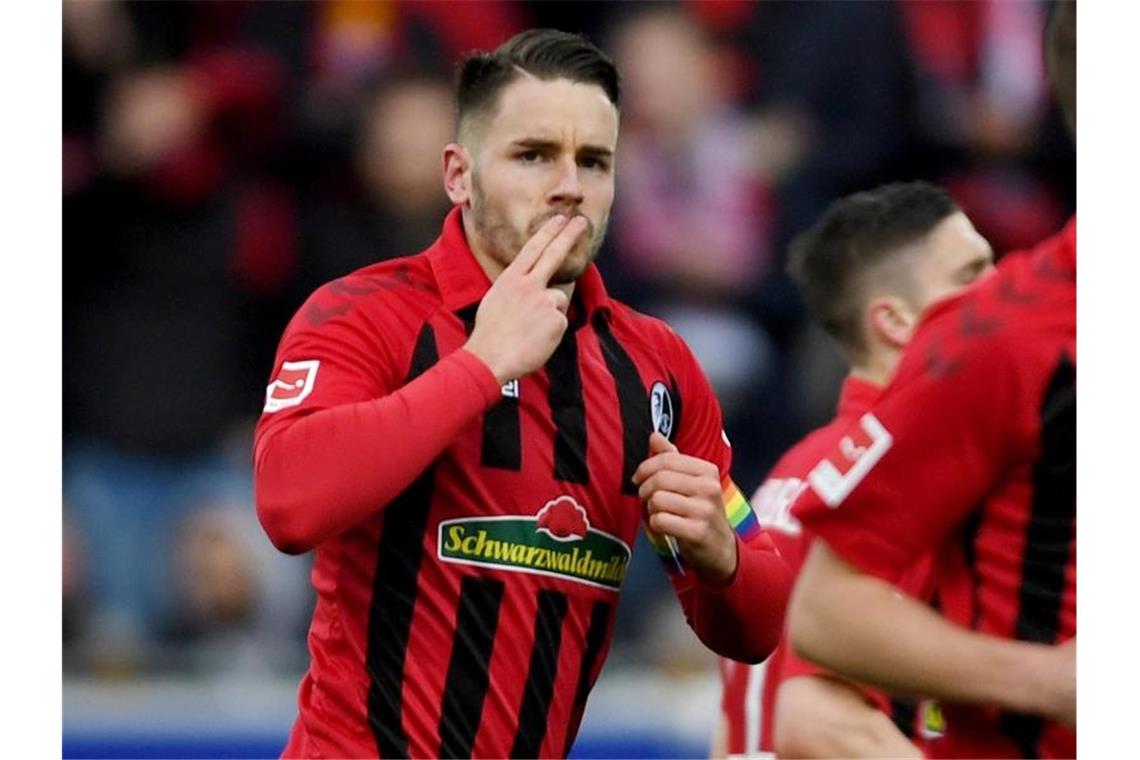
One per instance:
(326, 472)
(863, 628)
(742, 620)
(818, 716)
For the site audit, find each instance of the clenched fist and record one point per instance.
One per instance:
(521, 319)
(684, 500)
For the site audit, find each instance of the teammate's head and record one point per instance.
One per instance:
(538, 126)
(1061, 58)
(876, 260)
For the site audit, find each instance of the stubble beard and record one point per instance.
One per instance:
(504, 241)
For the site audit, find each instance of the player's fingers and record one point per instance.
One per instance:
(682, 505)
(685, 530)
(674, 461)
(659, 444)
(559, 299)
(679, 482)
(534, 247)
(551, 258)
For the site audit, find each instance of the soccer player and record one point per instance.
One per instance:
(867, 270)
(457, 434)
(970, 453)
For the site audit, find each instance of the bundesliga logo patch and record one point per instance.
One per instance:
(558, 541)
(835, 477)
(293, 385)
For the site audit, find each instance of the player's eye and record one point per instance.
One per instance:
(530, 156)
(593, 162)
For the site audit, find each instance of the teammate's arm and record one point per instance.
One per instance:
(819, 716)
(320, 474)
(892, 641)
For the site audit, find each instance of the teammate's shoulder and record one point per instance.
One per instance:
(404, 282)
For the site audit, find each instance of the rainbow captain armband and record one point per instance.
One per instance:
(740, 517)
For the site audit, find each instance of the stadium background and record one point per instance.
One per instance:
(222, 159)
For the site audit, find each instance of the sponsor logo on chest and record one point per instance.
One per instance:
(557, 541)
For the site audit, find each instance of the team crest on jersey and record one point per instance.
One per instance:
(293, 385)
(661, 409)
(557, 541)
(858, 451)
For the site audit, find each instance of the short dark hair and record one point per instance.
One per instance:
(544, 53)
(830, 261)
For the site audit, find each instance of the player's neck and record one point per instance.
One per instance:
(871, 372)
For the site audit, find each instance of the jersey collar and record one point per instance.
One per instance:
(463, 282)
(857, 395)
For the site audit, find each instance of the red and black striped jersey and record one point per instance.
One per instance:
(468, 611)
(748, 697)
(971, 451)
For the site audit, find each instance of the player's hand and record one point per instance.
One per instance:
(521, 318)
(1062, 688)
(684, 500)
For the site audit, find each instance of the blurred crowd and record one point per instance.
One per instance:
(222, 159)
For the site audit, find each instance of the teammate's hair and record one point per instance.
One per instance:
(543, 53)
(834, 261)
(1061, 58)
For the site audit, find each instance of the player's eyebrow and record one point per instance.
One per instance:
(535, 143)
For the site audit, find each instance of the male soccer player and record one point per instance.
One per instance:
(458, 434)
(970, 452)
(867, 270)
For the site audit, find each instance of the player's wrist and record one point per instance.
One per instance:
(499, 368)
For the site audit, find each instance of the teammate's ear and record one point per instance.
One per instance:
(891, 320)
(457, 173)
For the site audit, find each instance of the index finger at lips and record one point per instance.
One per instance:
(555, 253)
(538, 242)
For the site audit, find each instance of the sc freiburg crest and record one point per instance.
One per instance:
(661, 409)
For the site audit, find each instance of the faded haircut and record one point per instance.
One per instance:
(856, 239)
(543, 53)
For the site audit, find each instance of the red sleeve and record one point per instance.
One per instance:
(926, 455)
(340, 439)
(743, 619)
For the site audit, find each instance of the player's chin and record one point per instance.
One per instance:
(574, 266)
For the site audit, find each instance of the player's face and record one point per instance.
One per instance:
(548, 149)
(956, 256)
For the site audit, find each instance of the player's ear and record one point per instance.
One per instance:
(457, 173)
(891, 320)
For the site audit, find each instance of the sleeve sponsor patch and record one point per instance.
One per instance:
(858, 451)
(293, 384)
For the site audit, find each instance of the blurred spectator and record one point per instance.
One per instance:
(983, 111)
(175, 231)
(692, 218)
(237, 605)
(393, 206)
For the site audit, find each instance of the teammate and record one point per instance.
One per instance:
(867, 270)
(462, 434)
(970, 452)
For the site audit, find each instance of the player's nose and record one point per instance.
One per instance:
(568, 188)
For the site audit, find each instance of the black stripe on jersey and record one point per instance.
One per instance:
(903, 714)
(595, 640)
(633, 403)
(1051, 529)
(541, 674)
(568, 411)
(394, 589)
(468, 673)
(502, 429)
(678, 407)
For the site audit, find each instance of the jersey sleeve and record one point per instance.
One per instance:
(927, 454)
(743, 619)
(345, 428)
